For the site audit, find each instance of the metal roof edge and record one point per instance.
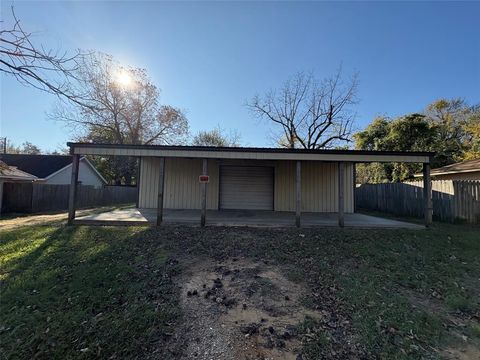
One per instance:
(72, 145)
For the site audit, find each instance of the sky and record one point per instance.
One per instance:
(209, 58)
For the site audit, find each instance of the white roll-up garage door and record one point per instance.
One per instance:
(246, 187)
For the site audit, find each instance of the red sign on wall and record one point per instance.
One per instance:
(203, 179)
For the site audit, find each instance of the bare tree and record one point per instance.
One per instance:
(122, 107)
(311, 114)
(217, 137)
(33, 65)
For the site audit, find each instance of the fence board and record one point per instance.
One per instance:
(452, 200)
(31, 197)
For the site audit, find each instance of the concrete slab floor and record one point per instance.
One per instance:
(240, 218)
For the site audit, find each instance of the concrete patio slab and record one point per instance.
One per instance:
(239, 218)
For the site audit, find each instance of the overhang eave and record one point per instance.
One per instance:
(249, 153)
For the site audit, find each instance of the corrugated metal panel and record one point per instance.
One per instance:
(319, 186)
(149, 176)
(285, 186)
(182, 189)
(249, 155)
(246, 187)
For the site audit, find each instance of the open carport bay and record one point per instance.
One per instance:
(239, 218)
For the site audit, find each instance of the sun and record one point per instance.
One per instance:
(123, 78)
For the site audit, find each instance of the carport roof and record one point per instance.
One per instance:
(253, 153)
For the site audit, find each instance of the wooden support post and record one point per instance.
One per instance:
(72, 196)
(354, 187)
(137, 180)
(427, 194)
(1, 196)
(161, 182)
(298, 194)
(204, 193)
(341, 190)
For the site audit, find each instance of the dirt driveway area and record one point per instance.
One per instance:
(240, 309)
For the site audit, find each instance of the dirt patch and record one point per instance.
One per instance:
(239, 309)
(466, 352)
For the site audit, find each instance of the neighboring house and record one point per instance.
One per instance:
(12, 174)
(54, 169)
(465, 170)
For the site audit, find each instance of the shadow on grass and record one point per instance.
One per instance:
(90, 292)
(101, 292)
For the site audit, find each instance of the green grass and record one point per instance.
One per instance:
(89, 292)
(83, 293)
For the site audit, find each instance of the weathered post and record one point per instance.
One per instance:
(1, 196)
(161, 182)
(137, 180)
(298, 194)
(427, 194)
(354, 165)
(72, 196)
(341, 189)
(204, 193)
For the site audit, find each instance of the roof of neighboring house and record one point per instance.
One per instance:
(42, 166)
(12, 173)
(39, 165)
(460, 167)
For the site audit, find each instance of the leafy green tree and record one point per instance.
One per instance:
(450, 118)
(373, 137)
(472, 127)
(450, 128)
(407, 133)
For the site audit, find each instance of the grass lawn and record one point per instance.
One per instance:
(112, 292)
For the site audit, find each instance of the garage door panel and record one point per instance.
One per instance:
(246, 187)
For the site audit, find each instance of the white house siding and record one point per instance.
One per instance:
(182, 189)
(86, 175)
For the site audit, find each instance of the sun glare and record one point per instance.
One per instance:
(124, 78)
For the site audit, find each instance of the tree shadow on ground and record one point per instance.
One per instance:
(85, 291)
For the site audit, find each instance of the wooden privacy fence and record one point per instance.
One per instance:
(31, 197)
(453, 200)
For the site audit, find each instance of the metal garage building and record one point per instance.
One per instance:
(283, 180)
(237, 184)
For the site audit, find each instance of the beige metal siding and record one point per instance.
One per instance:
(246, 187)
(148, 191)
(319, 186)
(182, 189)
